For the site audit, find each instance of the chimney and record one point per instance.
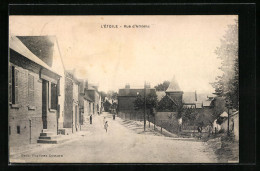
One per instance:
(195, 95)
(86, 84)
(147, 85)
(81, 86)
(127, 86)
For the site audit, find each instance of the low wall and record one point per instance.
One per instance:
(166, 120)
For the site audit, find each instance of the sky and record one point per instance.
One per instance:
(182, 46)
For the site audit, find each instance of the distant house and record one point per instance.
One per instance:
(72, 113)
(94, 95)
(175, 98)
(233, 123)
(36, 88)
(107, 105)
(126, 98)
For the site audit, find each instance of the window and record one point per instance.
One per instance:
(13, 85)
(18, 129)
(53, 96)
(31, 89)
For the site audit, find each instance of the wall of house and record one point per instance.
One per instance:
(177, 96)
(29, 120)
(61, 99)
(97, 103)
(57, 66)
(236, 126)
(137, 115)
(233, 120)
(76, 104)
(68, 105)
(126, 103)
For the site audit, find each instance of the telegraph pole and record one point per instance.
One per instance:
(229, 106)
(144, 104)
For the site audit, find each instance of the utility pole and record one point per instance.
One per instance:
(229, 106)
(144, 104)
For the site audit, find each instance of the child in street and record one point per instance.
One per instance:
(106, 126)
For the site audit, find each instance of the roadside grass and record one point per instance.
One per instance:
(225, 147)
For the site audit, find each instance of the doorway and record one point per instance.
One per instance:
(76, 119)
(44, 103)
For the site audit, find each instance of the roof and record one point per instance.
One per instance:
(174, 86)
(202, 98)
(224, 114)
(207, 103)
(235, 113)
(135, 92)
(18, 46)
(160, 95)
(86, 97)
(71, 74)
(188, 97)
(41, 46)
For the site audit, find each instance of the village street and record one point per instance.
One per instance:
(119, 145)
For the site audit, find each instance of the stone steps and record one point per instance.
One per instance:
(45, 134)
(46, 141)
(47, 137)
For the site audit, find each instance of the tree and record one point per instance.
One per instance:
(189, 116)
(163, 86)
(151, 104)
(103, 95)
(227, 85)
(112, 95)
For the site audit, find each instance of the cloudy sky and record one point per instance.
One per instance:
(111, 57)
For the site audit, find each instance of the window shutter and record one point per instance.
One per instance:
(16, 73)
(53, 96)
(10, 84)
(58, 88)
(31, 88)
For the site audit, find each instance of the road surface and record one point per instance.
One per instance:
(121, 144)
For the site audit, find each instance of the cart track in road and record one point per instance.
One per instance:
(121, 144)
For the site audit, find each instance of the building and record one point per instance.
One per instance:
(107, 105)
(36, 88)
(175, 101)
(72, 113)
(86, 103)
(92, 92)
(126, 98)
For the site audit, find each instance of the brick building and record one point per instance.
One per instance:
(174, 97)
(36, 89)
(72, 113)
(126, 98)
(92, 93)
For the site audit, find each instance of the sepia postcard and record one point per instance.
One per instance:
(123, 89)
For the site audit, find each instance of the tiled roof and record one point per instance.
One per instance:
(224, 114)
(160, 95)
(18, 46)
(174, 86)
(135, 92)
(41, 46)
(202, 98)
(87, 97)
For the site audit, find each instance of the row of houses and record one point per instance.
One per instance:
(44, 97)
(168, 103)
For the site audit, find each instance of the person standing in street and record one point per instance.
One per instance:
(199, 131)
(90, 119)
(106, 126)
